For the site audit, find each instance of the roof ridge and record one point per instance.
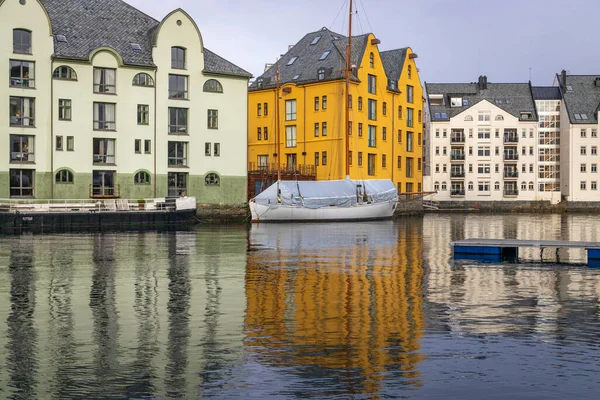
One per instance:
(140, 11)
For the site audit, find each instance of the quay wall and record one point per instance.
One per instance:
(516, 207)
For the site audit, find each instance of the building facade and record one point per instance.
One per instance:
(514, 142)
(105, 101)
(385, 102)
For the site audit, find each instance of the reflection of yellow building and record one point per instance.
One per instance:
(385, 107)
(355, 306)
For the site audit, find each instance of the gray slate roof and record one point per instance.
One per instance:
(519, 96)
(393, 62)
(583, 99)
(546, 93)
(90, 24)
(307, 64)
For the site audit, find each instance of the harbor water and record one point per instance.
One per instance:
(368, 310)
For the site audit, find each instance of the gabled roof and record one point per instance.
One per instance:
(92, 24)
(514, 98)
(393, 62)
(581, 97)
(308, 52)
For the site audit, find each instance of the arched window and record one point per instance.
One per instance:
(142, 178)
(497, 186)
(21, 41)
(499, 118)
(177, 57)
(65, 72)
(64, 176)
(470, 186)
(469, 118)
(213, 85)
(531, 186)
(523, 186)
(410, 72)
(372, 60)
(143, 79)
(436, 187)
(212, 179)
(444, 186)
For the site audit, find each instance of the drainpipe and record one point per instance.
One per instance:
(393, 136)
(154, 145)
(52, 130)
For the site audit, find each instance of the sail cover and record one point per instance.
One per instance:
(317, 194)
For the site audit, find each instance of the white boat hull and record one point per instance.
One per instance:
(358, 212)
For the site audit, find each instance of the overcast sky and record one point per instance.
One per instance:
(456, 40)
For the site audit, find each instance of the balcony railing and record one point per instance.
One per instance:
(105, 192)
(457, 174)
(22, 157)
(511, 139)
(457, 157)
(457, 139)
(511, 174)
(457, 193)
(285, 168)
(511, 192)
(511, 157)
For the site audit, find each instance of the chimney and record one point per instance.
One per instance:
(563, 80)
(482, 82)
(485, 82)
(267, 66)
(597, 82)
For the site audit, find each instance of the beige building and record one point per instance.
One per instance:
(105, 101)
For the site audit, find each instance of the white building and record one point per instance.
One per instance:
(105, 101)
(579, 136)
(483, 143)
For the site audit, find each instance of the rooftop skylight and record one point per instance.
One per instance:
(61, 38)
(315, 40)
(324, 55)
(292, 60)
(135, 47)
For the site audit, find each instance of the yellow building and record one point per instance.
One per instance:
(385, 111)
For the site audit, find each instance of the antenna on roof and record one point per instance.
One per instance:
(529, 74)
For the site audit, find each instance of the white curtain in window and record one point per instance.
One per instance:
(110, 78)
(110, 113)
(98, 76)
(110, 151)
(27, 108)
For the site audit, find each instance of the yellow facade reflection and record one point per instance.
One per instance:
(354, 306)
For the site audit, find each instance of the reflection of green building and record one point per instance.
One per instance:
(135, 315)
(354, 305)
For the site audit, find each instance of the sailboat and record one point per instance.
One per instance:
(328, 200)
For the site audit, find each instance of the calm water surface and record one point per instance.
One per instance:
(363, 311)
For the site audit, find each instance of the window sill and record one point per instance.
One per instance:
(22, 162)
(22, 126)
(104, 130)
(64, 183)
(65, 120)
(177, 98)
(64, 79)
(178, 134)
(22, 87)
(105, 164)
(146, 124)
(179, 166)
(106, 93)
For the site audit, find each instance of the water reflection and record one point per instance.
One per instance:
(178, 309)
(22, 335)
(343, 300)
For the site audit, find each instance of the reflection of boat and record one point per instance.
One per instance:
(343, 200)
(96, 215)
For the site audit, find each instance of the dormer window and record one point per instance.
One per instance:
(436, 99)
(580, 117)
(321, 73)
(105, 80)
(466, 102)
(456, 102)
(324, 55)
(525, 115)
(392, 84)
(293, 59)
(177, 58)
(315, 40)
(259, 83)
(21, 41)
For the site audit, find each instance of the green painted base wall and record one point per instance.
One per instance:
(231, 191)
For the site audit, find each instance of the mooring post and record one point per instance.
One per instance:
(542, 255)
(557, 256)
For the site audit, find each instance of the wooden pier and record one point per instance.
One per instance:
(497, 250)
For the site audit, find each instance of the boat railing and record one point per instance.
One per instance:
(92, 205)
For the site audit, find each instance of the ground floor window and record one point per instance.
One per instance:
(21, 182)
(103, 184)
(178, 183)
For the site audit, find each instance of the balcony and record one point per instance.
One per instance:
(511, 192)
(457, 139)
(511, 157)
(511, 174)
(457, 193)
(511, 139)
(457, 174)
(105, 192)
(457, 157)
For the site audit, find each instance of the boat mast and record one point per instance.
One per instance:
(347, 72)
(277, 130)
